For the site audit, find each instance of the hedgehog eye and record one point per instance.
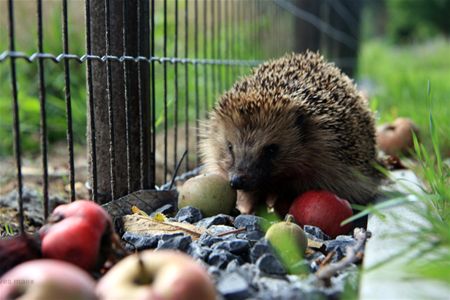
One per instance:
(271, 150)
(230, 147)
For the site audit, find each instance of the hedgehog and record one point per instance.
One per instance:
(294, 124)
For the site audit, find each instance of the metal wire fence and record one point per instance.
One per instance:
(149, 72)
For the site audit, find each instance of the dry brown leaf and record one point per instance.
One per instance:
(145, 225)
(314, 244)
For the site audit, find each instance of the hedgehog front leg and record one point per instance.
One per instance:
(246, 201)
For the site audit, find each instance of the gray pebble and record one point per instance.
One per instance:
(233, 266)
(177, 243)
(249, 271)
(189, 214)
(220, 258)
(214, 271)
(168, 236)
(279, 289)
(220, 219)
(140, 242)
(235, 246)
(252, 235)
(233, 286)
(315, 233)
(339, 245)
(259, 249)
(250, 222)
(197, 251)
(208, 240)
(269, 264)
(218, 229)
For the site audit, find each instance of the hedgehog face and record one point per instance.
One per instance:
(251, 162)
(258, 148)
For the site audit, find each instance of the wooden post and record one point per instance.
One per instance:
(127, 172)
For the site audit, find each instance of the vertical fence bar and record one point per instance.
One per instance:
(15, 108)
(140, 96)
(126, 92)
(213, 50)
(186, 83)
(112, 146)
(165, 90)
(68, 99)
(205, 55)
(234, 36)
(153, 97)
(279, 40)
(261, 16)
(43, 111)
(92, 147)
(219, 45)
(270, 12)
(143, 44)
(175, 112)
(197, 104)
(142, 135)
(254, 24)
(227, 42)
(243, 27)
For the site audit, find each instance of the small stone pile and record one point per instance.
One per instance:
(242, 262)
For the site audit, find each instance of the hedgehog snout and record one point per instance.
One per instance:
(239, 182)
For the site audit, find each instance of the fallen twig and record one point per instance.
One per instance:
(239, 230)
(353, 254)
(327, 259)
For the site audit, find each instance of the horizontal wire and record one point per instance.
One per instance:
(58, 58)
(173, 60)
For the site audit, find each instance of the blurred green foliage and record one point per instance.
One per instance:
(28, 81)
(400, 76)
(418, 19)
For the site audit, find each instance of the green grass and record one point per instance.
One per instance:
(432, 242)
(412, 81)
(401, 75)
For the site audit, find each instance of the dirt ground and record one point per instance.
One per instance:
(58, 171)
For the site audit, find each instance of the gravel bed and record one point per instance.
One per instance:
(244, 265)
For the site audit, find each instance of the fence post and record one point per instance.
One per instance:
(307, 35)
(129, 94)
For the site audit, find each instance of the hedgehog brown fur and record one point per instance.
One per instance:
(295, 124)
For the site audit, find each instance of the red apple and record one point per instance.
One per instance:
(397, 137)
(324, 210)
(47, 279)
(154, 275)
(80, 233)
